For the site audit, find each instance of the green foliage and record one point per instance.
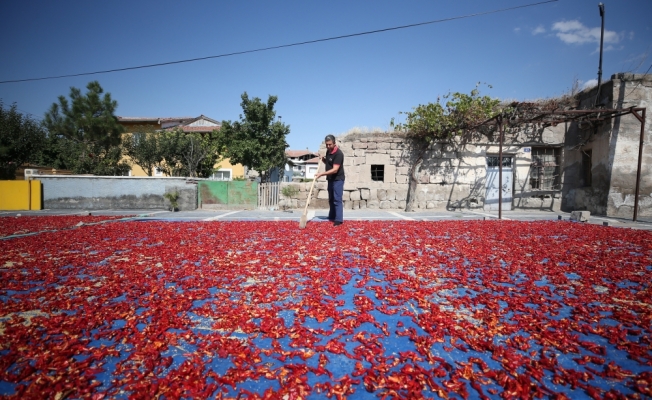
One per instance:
(455, 114)
(256, 141)
(173, 198)
(189, 154)
(88, 132)
(57, 152)
(86, 118)
(239, 178)
(21, 139)
(145, 148)
(289, 191)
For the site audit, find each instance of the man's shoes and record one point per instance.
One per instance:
(337, 223)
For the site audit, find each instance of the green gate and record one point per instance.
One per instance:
(217, 194)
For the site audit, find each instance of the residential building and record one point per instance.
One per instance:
(224, 169)
(302, 164)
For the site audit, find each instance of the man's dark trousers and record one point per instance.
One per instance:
(335, 191)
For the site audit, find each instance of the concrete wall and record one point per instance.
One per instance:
(115, 192)
(614, 152)
(630, 91)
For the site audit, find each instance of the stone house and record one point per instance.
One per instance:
(600, 166)
(564, 167)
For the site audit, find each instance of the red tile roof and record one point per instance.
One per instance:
(152, 119)
(197, 128)
(298, 153)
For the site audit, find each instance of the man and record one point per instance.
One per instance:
(334, 173)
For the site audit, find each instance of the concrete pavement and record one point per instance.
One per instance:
(351, 215)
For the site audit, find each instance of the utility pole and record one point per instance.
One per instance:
(597, 95)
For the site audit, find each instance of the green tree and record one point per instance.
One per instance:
(189, 154)
(457, 116)
(256, 141)
(145, 148)
(59, 153)
(89, 121)
(21, 139)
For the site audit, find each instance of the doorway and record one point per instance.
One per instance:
(494, 188)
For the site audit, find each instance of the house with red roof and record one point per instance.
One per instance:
(302, 164)
(225, 170)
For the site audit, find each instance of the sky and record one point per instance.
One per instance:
(329, 87)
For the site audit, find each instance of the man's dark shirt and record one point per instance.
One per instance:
(332, 159)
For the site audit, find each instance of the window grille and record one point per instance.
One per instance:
(378, 173)
(544, 171)
(492, 161)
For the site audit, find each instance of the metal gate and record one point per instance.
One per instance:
(493, 187)
(268, 195)
(219, 194)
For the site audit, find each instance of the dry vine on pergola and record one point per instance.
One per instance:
(558, 111)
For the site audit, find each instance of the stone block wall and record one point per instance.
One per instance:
(452, 176)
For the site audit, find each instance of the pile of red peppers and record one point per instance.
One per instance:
(387, 309)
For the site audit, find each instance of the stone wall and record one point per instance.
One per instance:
(613, 150)
(452, 175)
(115, 192)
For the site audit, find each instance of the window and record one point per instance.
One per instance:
(544, 171)
(158, 172)
(492, 161)
(313, 170)
(586, 167)
(378, 173)
(138, 137)
(222, 175)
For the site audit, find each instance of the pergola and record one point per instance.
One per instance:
(523, 114)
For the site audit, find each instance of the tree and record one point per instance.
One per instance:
(145, 148)
(89, 122)
(256, 141)
(460, 118)
(189, 154)
(21, 139)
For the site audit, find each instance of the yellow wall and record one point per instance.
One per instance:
(20, 195)
(237, 170)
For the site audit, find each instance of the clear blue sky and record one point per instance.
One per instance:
(323, 88)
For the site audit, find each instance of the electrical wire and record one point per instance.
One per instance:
(637, 85)
(279, 46)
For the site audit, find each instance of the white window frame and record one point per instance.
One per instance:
(222, 170)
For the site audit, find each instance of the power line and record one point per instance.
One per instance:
(639, 82)
(280, 46)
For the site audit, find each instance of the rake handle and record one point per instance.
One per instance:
(305, 210)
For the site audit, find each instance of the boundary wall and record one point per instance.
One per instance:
(21, 195)
(116, 192)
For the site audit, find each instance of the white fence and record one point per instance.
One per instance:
(268, 195)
